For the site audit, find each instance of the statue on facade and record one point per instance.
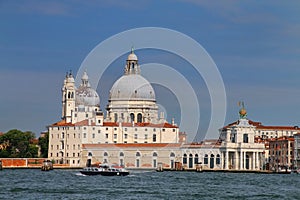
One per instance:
(243, 111)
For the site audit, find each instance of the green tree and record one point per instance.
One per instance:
(44, 144)
(17, 144)
(32, 151)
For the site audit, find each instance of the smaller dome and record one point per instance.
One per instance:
(87, 96)
(132, 56)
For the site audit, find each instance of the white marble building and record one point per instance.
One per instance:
(239, 151)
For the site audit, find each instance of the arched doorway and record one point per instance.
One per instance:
(184, 160)
(191, 161)
(196, 159)
(218, 159)
(89, 162)
(172, 157)
(205, 161)
(212, 161)
(247, 162)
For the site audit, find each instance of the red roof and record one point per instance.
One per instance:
(259, 125)
(283, 138)
(205, 143)
(132, 145)
(114, 124)
(84, 123)
(164, 125)
(62, 123)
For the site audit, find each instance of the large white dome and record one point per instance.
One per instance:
(132, 87)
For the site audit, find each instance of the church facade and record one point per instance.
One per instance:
(85, 135)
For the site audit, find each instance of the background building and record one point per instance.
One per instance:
(281, 153)
(297, 151)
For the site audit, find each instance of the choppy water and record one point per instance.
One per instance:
(69, 184)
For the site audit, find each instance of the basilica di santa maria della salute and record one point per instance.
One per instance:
(132, 133)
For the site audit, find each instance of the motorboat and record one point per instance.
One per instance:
(105, 170)
(113, 170)
(90, 171)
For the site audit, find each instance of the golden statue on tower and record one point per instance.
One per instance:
(243, 111)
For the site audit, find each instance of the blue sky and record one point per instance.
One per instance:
(255, 45)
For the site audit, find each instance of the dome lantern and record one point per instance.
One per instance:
(132, 66)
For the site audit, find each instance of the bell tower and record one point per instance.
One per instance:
(68, 97)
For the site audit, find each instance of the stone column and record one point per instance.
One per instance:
(226, 160)
(257, 161)
(244, 160)
(253, 160)
(236, 160)
(222, 160)
(241, 159)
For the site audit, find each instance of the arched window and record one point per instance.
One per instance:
(139, 118)
(172, 154)
(196, 159)
(105, 154)
(90, 154)
(121, 154)
(116, 117)
(132, 117)
(184, 160)
(137, 154)
(69, 95)
(205, 159)
(245, 138)
(218, 160)
(154, 154)
(154, 138)
(72, 96)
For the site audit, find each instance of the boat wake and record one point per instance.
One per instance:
(79, 174)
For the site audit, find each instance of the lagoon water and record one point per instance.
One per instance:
(70, 184)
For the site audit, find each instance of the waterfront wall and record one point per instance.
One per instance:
(27, 163)
(22, 162)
